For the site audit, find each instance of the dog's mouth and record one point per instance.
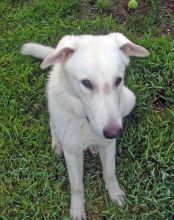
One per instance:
(87, 119)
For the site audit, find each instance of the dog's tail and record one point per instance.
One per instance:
(36, 50)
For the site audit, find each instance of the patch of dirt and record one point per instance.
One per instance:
(118, 11)
(160, 100)
(165, 29)
(169, 6)
(162, 13)
(167, 14)
(122, 10)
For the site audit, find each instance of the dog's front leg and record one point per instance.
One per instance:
(107, 156)
(74, 163)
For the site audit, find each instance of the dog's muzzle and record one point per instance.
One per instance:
(112, 132)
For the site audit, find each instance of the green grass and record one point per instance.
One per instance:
(33, 181)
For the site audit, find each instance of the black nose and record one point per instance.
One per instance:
(112, 132)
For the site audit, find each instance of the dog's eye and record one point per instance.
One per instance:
(87, 84)
(118, 81)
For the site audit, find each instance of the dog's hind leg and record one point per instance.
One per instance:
(127, 101)
(55, 145)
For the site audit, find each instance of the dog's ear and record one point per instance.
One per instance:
(131, 49)
(128, 47)
(60, 55)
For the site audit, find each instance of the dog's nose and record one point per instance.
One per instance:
(112, 132)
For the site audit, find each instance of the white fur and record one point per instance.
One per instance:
(101, 60)
(36, 50)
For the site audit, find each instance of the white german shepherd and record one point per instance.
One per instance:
(87, 101)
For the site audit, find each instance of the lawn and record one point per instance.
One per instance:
(33, 180)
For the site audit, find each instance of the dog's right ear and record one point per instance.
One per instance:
(60, 55)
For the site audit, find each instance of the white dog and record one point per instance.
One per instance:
(87, 101)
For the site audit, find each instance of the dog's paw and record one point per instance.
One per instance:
(77, 214)
(93, 150)
(118, 197)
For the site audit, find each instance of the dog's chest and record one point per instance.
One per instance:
(75, 133)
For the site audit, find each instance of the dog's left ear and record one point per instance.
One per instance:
(128, 47)
(131, 49)
(58, 56)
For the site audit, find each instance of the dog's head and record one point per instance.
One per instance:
(95, 66)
